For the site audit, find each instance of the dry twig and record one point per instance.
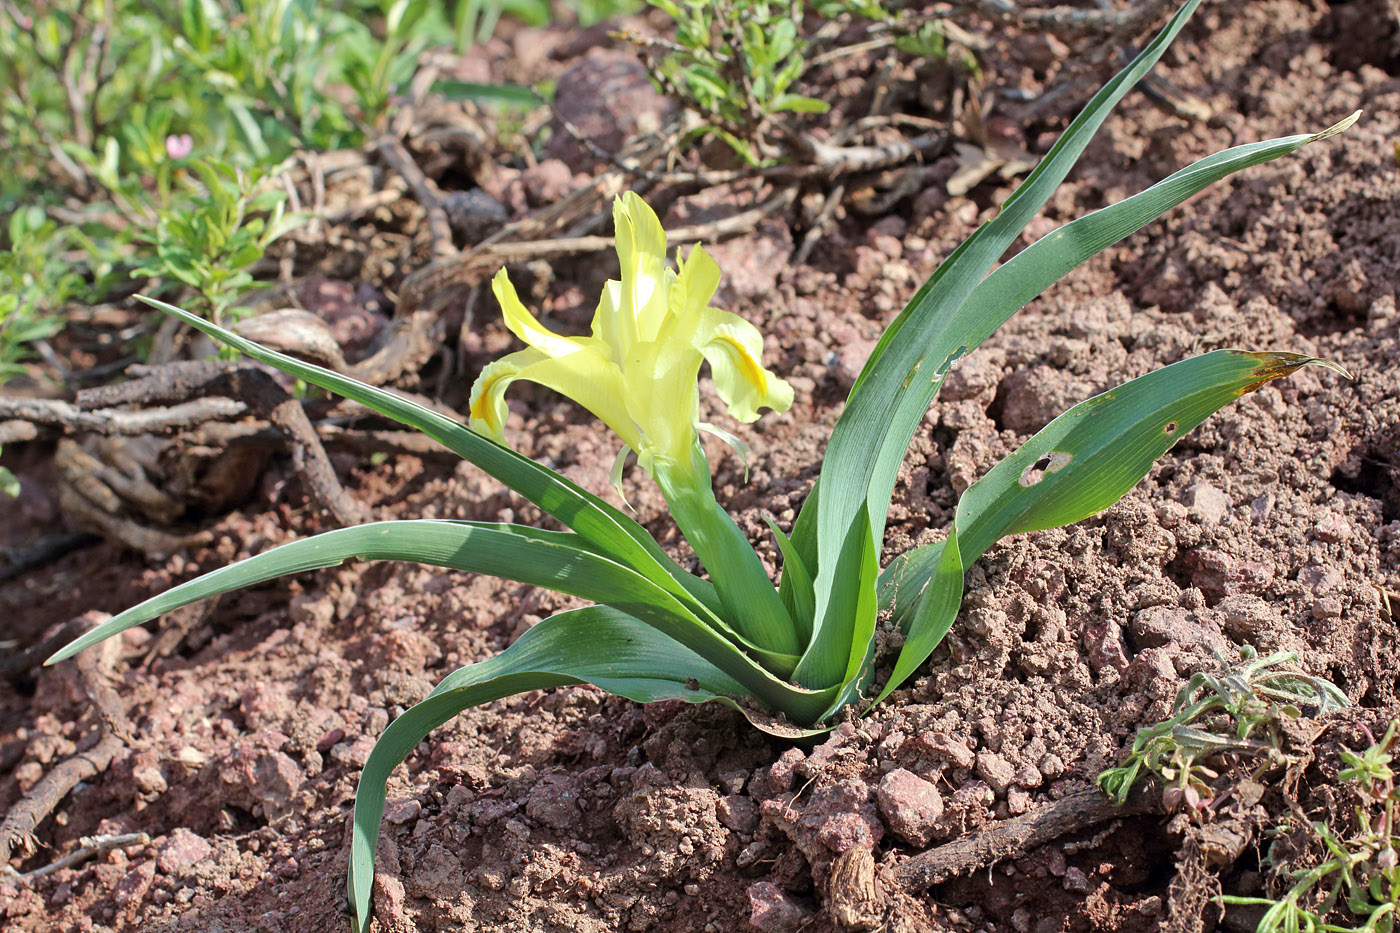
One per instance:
(17, 829)
(1070, 21)
(424, 191)
(88, 846)
(1015, 837)
(55, 413)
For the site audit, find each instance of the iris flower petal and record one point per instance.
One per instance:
(523, 324)
(585, 375)
(641, 250)
(651, 332)
(734, 348)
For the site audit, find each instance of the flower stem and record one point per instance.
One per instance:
(751, 603)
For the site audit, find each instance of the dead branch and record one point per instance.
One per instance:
(88, 847)
(270, 401)
(424, 191)
(220, 435)
(1069, 21)
(16, 666)
(98, 687)
(16, 561)
(56, 413)
(1015, 837)
(171, 382)
(17, 830)
(176, 626)
(472, 266)
(16, 432)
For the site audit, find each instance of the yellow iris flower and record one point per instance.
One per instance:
(637, 372)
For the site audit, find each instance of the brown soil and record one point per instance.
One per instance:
(1272, 525)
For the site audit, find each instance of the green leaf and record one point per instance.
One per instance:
(750, 602)
(928, 610)
(836, 650)
(796, 103)
(596, 521)
(542, 558)
(595, 645)
(1078, 465)
(9, 483)
(1041, 264)
(1090, 456)
(902, 375)
(798, 597)
(504, 95)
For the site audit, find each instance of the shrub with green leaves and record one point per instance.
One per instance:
(734, 62)
(35, 282)
(208, 241)
(796, 658)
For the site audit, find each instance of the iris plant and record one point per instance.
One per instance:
(795, 658)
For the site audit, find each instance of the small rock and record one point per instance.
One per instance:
(996, 771)
(1328, 607)
(607, 98)
(1029, 777)
(779, 777)
(772, 911)
(353, 754)
(146, 774)
(911, 806)
(181, 851)
(1333, 528)
(402, 811)
(1206, 504)
(553, 801)
(842, 832)
(1106, 649)
(951, 750)
(331, 738)
(1076, 881)
(473, 214)
(1159, 626)
(134, 884)
(1052, 766)
(737, 812)
(1249, 618)
(262, 775)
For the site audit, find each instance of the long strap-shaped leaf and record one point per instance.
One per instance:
(1012, 285)
(596, 645)
(511, 552)
(1079, 464)
(904, 371)
(602, 524)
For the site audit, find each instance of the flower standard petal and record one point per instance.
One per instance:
(641, 251)
(663, 399)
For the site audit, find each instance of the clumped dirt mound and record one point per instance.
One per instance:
(1275, 525)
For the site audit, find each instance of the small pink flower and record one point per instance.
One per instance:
(177, 147)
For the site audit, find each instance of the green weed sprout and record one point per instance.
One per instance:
(790, 660)
(1361, 872)
(1219, 713)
